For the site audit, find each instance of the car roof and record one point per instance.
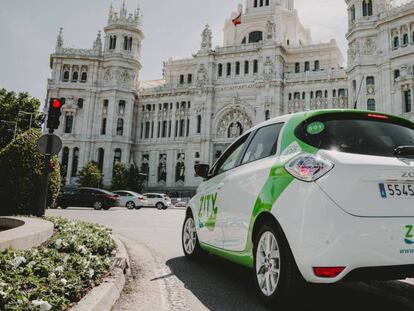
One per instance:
(155, 193)
(95, 189)
(127, 191)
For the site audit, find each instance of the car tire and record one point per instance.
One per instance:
(159, 205)
(105, 208)
(130, 205)
(98, 205)
(63, 207)
(189, 239)
(275, 273)
(138, 207)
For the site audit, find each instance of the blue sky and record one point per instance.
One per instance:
(172, 28)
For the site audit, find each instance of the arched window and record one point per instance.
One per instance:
(105, 107)
(120, 127)
(198, 124)
(326, 93)
(147, 129)
(80, 103)
(101, 157)
(237, 68)
(84, 77)
(112, 42)
(255, 3)
(318, 94)
(228, 69)
(407, 101)
(342, 93)
(396, 74)
(220, 70)
(297, 67)
(255, 66)
(66, 76)
(75, 76)
(317, 65)
(255, 36)
(311, 94)
(296, 95)
(75, 162)
(103, 126)
(396, 42)
(367, 8)
(334, 93)
(307, 67)
(267, 115)
(130, 44)
(370, 80)
(68, 123)
(267, 2)
(65, 161)
(117, 155)
(352, 11)
(261, 2)
(405, 39)
(244, 40)
(303, 95)
(121, 107)
(125, 43)
(246, 67)
(371, 104)
(290, 96)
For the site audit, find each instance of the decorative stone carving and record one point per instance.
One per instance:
(268, 68)
(201, 75)
(180, 168)
(270, 30)
(108, 75)
(206, 38)
(233, 123)
(370, 46)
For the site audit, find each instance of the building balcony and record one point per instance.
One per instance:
(316, 75)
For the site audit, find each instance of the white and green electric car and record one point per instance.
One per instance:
(319, 196)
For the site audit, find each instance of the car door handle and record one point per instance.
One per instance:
(220, 185)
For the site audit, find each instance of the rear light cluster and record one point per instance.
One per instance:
(308, 167)
(141, 197)
(112, 197)
(328, 272)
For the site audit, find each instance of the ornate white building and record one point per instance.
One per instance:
(267, 66)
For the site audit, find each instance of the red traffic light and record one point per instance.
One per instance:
(56, 103)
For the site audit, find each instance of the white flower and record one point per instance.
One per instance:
(59, 270)
(52, 275)
(82, 250)
(17, 261)
(91, 273)
(58, 244)
(31, 264)
(43, 305)
(3, 294)
(64, 281)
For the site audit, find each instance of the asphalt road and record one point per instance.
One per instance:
(162, 279)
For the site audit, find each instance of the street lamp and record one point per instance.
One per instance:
(11, 122)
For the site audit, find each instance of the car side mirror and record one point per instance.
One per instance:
(202, 170)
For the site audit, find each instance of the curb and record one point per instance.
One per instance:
(104, 296)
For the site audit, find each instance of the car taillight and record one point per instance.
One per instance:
(141, 197)
(112, 197)
(308, 167)
(328, 272)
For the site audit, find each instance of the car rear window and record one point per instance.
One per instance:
(359, 133)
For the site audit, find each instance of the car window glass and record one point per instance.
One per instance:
(230, 157)
(263, 144)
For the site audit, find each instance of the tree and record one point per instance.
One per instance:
(21, 168)
(120, 176)
(10, 106)
(90, 175)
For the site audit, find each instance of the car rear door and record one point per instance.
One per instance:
(123, 197)
(209, 199)
(242, 186)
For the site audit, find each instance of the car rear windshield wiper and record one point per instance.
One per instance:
(404, 151)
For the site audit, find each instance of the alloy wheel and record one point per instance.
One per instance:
(268, 263)
(97, 205)
(189, 236)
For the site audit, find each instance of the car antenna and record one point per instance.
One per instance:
(359, 91)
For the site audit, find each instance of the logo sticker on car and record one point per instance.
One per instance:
(315, 128)
(207, 213)
(409, 235)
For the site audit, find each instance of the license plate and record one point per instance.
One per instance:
(393, 190)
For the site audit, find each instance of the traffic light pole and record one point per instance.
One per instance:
(45, 176)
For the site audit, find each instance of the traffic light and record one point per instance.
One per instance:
(54, 114)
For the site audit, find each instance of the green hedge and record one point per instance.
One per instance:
(21, 167)
(59, 273)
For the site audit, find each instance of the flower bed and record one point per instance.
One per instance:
(58, 273)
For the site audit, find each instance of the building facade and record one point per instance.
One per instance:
(267, 66)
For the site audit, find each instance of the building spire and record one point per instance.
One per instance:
(59, 41)
(97, 45)
(123, 12)
(111, 13)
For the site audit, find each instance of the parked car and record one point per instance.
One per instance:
(180, 204)
(87, 197)
(319, 196)
(158, 200)
(131, 199)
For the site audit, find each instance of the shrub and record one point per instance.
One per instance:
(21, 168)
(90, 175)
(120, 176)
(57, 274)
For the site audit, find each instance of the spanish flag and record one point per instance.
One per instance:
(237, 20)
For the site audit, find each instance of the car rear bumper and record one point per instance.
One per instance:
(326, 236)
